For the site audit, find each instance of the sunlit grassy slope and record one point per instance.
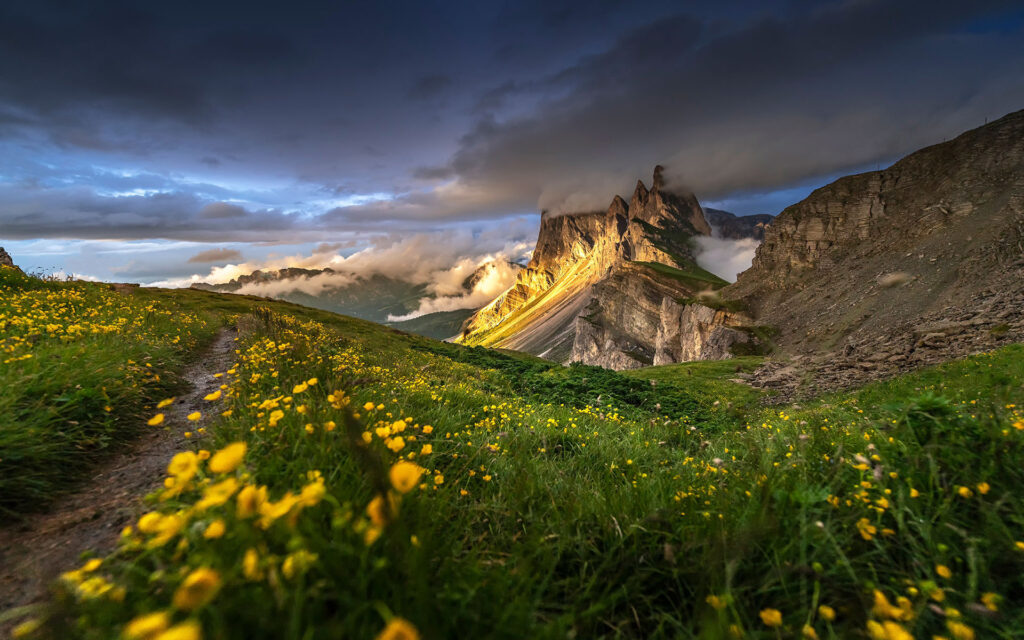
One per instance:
(392, 484)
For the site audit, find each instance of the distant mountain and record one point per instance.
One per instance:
(372, 297)
(439, 325)
(376, 297)
(733, 227)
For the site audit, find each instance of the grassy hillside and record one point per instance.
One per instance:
(693, 277)
(364, 482)
(440, 325)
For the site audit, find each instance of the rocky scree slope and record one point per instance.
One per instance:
(890, 270)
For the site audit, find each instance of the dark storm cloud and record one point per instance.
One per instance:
(220, 122)
(778, 100)
(57, 56)
(81, 213)
(211, 256)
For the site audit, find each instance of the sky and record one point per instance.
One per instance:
(181, 141)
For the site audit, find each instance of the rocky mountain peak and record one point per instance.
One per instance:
(574, 251)
(6, 260)
(640, 194)
(658, 181)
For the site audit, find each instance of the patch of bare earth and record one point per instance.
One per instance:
(36, 550)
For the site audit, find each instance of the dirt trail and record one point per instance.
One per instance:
(35, 551)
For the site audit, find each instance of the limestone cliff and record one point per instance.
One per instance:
(863, 267)
(594, 287)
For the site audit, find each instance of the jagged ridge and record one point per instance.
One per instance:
(587, 263)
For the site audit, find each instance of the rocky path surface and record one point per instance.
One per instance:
(35, 551)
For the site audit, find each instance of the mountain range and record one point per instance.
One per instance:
(868, 275)
(872, 274)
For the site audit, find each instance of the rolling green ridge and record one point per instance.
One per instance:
(440, 325)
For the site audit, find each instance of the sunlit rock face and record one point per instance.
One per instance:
(588, 265)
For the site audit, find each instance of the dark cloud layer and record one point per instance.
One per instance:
(211, 256)
(225, 122)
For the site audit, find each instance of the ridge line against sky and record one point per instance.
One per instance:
(144, 141)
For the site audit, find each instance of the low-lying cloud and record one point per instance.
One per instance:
(443, 261)
(724, 257)
(497, 276)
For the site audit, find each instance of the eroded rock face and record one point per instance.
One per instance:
(619, 326)
(947, 219)
(696, 332)
(576, 251)
(865, 277)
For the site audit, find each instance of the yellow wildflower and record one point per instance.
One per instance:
(212, 396)
(427, 450)
(214, 530)
(888, 630)
(396, 444)
(404, 476)
(943, 571)
(717, 603)
(312, 493)
(299, 388)
(250, 499)
(147, 626)
(297, 562)
(991, 601)
(271, 511)
(959, 630)
(188, 630)
(771, 617)
(399, 629)
(198, 588)
(164, 403)
(809, 632)
(217, 494)
(884, 609)
(983, 488)
(380, 512)
(827, 612)
(195, 415)
(866, 529)
(227, 459)
(251, 565)
(183, 465)
(156, 420)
